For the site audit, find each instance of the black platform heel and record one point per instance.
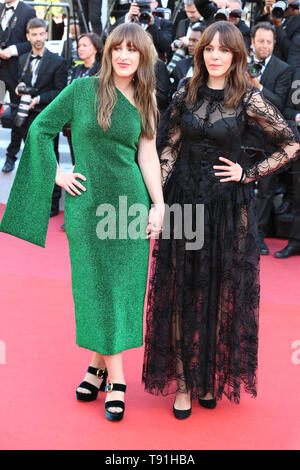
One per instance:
(114, 416)
(101, 374)
(182, 414)
(209, 404)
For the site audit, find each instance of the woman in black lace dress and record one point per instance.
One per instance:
(202, 319)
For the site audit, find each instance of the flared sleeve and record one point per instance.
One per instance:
(27, 211)
(277, 132)
(169, 134)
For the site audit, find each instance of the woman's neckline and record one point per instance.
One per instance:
(122, 94)
(212, 92)
(215, 89)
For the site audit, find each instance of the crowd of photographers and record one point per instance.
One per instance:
(33, 75)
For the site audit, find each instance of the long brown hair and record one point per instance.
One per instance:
(236, 81)
(143, 83)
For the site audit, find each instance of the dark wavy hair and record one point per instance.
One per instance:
(236, 81)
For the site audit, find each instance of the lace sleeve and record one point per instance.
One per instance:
(169, 134)
(277, 131)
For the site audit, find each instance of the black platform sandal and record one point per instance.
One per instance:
(101, 374)
(209, 404)
(114, 416)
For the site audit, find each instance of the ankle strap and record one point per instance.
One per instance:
(116, 387)
(100, 373)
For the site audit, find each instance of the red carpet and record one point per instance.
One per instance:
(40, 367)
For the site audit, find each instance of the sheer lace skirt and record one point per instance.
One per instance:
(202, 313)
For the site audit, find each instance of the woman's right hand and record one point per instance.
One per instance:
(68, 181)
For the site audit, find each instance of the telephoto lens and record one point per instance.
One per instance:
(23, 110)
(27, 93)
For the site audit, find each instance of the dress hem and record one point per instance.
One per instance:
(97, 350)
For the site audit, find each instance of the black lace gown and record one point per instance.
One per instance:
(203, 305)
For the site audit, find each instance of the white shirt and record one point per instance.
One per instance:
(5, 20)
(8, 14)
(264, 67)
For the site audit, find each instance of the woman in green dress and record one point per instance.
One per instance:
(113, 119)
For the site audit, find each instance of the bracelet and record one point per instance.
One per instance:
(242, 176)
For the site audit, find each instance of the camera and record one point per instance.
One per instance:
(162, 13)
(279, 8)
(145, 11)
(222, 14)
(23, 109)
(3, 45)
(254, 69)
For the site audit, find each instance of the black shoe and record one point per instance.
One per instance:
(110, 415)
(9, 165)
(210, 404)
(264, 250)
(182, 414)
(63, 227)
(289, 250)
(101, 374)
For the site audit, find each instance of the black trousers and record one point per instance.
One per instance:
(92, 13)
(16, 135)
(295, 230)
(264, 203)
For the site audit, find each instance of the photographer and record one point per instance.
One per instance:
(184, 27)
(229, 10)
(284, 15)
(42, 75)
(161, 30)
(273, 77)
(185, 67)
(235, 17)
(14, 16)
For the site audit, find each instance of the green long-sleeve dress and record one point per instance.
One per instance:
(109, 266)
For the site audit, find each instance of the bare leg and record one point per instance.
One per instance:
(114, 366)
(99, 363)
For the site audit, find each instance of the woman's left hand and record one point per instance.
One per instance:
(155, 220)
(232, 172)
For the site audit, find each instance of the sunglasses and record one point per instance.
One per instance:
(294, 7)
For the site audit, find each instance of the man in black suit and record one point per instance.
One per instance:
(185, 67)
(235, 17)
(184, 27)
(287, 32)
(292, 113)
(46, 72)
(14, 16)
(274, 83)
